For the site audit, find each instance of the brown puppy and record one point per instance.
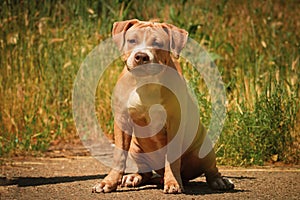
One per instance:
(142, 44)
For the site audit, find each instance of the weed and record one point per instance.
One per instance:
(254, 44)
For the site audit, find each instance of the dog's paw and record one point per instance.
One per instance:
(109, 183)
(221, 183)
(105, 186)
(131, 180)
(172, 187)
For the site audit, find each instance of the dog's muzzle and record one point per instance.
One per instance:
(141, 58)
(149, 69)
(141, 63)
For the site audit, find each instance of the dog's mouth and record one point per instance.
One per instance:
(142, 62)
(149, 69)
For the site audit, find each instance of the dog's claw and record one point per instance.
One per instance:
(131, 180)
(104, 187)
(97, 188)
(173, 188)
(221, 183)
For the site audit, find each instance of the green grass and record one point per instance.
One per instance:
(255, 45)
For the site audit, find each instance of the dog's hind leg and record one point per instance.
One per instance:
(193, 166)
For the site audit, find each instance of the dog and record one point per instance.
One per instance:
(144, 44)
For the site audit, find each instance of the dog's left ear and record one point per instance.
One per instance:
(178, 38)
(119, 30)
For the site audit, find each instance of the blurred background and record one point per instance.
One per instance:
(255, 45)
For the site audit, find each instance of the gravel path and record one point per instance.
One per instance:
(73, 178)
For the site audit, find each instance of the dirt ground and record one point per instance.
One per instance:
(72, 176)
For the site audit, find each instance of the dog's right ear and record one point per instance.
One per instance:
(178, 38)
(119, 30)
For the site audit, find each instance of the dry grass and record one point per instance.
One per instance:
(255, 44)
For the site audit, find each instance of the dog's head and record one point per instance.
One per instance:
(148, 42)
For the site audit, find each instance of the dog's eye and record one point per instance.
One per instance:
(131, 41)
(157, 44)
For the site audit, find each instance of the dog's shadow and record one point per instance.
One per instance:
(37, 181)
(201, 188)
(190, 188)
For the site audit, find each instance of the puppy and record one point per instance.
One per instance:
(151, 50)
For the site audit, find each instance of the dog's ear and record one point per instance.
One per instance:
(178, 38)
(119, 30)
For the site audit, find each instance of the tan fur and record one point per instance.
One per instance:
(138, 41)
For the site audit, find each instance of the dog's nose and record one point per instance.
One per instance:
(141, 58)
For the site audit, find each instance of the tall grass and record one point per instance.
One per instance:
(255, 44)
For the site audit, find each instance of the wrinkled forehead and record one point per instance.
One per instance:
(147, 30)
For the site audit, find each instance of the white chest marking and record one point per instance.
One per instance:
(134, 100)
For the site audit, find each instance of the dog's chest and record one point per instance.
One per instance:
(144, 97)
(148, 116)
(144, 106)
(134, 101)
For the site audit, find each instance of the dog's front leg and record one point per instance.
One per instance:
(114, 178)
(172, 177)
